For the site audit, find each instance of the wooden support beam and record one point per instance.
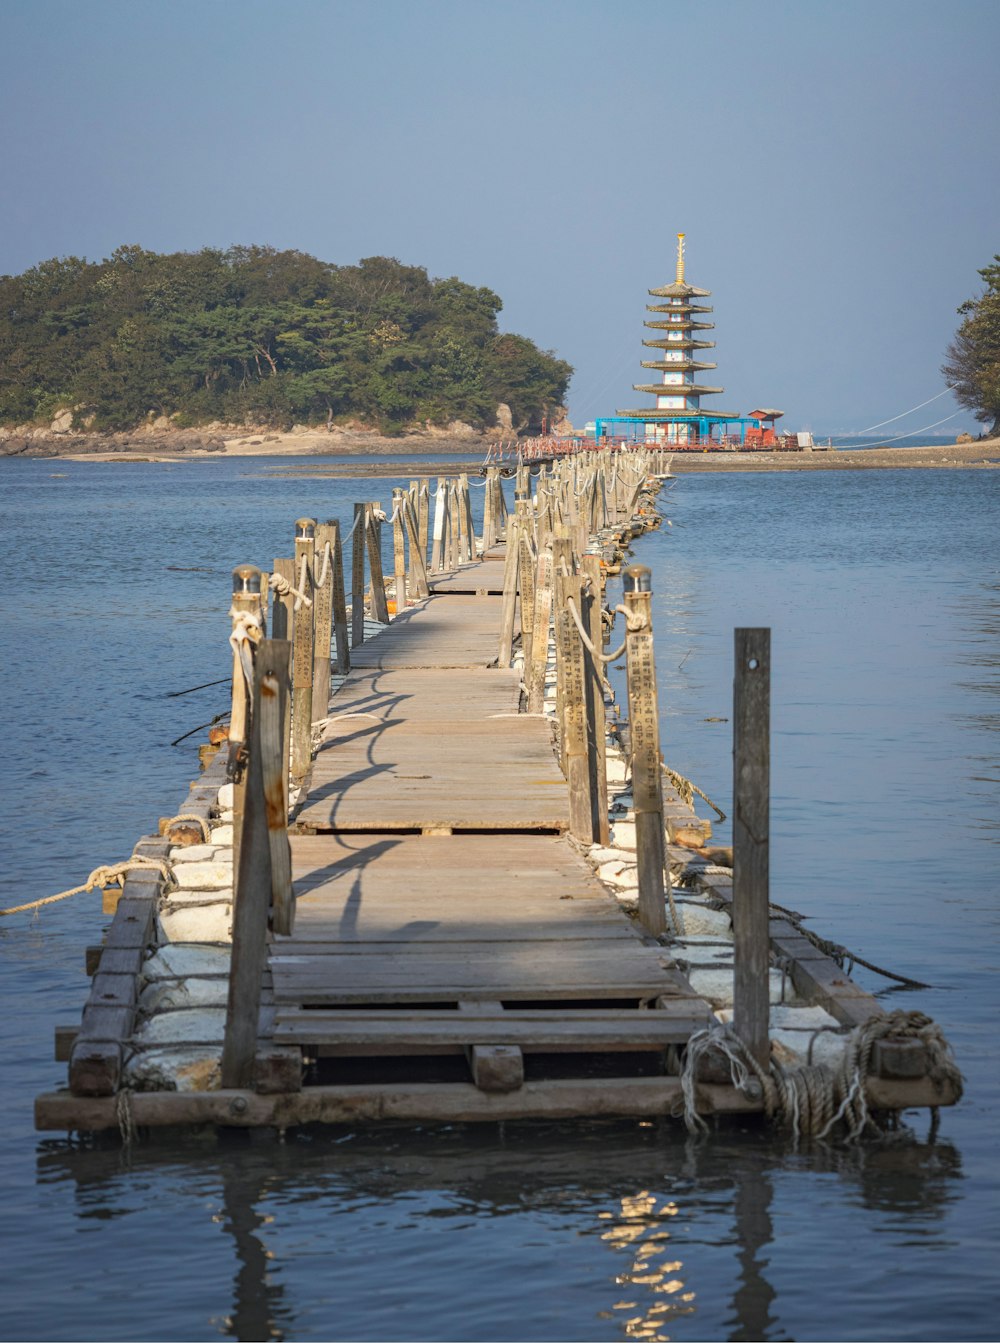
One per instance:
(495, 1068)
(751, 837)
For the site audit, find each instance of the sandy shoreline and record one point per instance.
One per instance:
(984, 454)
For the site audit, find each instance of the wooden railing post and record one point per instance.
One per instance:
(326, 535)
(535, 674)
(256, 874)
(339, 599)
(423, 519)
(751, 838)
(418, 562)
(596, 724)
(398, 551)
(303, 644)
(358, 574)
(644, 734)
(573, 716)
(511, 565)
(373, 534)
(246, 601)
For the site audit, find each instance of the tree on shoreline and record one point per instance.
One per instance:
(251, 334)
(973, 364)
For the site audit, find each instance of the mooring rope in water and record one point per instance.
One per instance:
(686, 790)
(103, 876)
(835, 950)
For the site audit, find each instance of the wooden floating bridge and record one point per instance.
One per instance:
(419, 933)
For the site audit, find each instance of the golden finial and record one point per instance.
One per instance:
(680, 258)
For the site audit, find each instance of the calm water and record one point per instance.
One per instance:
(883, 593)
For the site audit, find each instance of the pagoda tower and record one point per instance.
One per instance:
(677, 415)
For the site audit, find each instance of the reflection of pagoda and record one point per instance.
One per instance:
(677, 416)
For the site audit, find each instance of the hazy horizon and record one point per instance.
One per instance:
(834, 168)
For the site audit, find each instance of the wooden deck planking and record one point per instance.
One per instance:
(483, 578)
(442, 631)
(414, 888)
(424, 767)
(414, 694)
(343, 1032)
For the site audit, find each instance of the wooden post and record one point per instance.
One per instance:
(273, 677)
(751, 838)
(246, 601)
(562, 562)
(470, 526)
(509, 596)
(535, 679)
(489, 534)
(250, 914)
(418, 565)
(423, 518)
(644, 733)
(526, 590)
(465, 546)
(437, 549)
(339, 599)
(596, 725)
(573, 718)
(373, 534)
(398, 551)
(303, 644)
(358, 575)
(282, 629)
(322, 619)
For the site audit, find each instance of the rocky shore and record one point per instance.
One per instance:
(153, 443)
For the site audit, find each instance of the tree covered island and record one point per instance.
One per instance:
(255, 335)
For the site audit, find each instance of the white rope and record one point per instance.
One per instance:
(248, 630)
(284, 588)
(904, 413)
(321, 577)
(601, 657)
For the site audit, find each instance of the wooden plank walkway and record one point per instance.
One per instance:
(423, 882)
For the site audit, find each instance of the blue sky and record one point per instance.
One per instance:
(834, 165)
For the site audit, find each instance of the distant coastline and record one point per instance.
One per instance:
(216, 441)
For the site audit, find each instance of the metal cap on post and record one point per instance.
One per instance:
(638, 578)
(305, 529)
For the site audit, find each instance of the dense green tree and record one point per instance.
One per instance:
(973, 363)
(253, 333)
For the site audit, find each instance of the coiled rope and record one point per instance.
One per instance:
(103, 876)
(813, 1099)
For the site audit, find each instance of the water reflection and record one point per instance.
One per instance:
(683, 1234)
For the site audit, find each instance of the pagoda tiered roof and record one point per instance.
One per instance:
(652, 413)
(676, 365)
(680, 344)
(679, 307)
(679, 290)
(680, 326)
(675, 389)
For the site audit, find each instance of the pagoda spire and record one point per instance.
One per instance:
(676, 329)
